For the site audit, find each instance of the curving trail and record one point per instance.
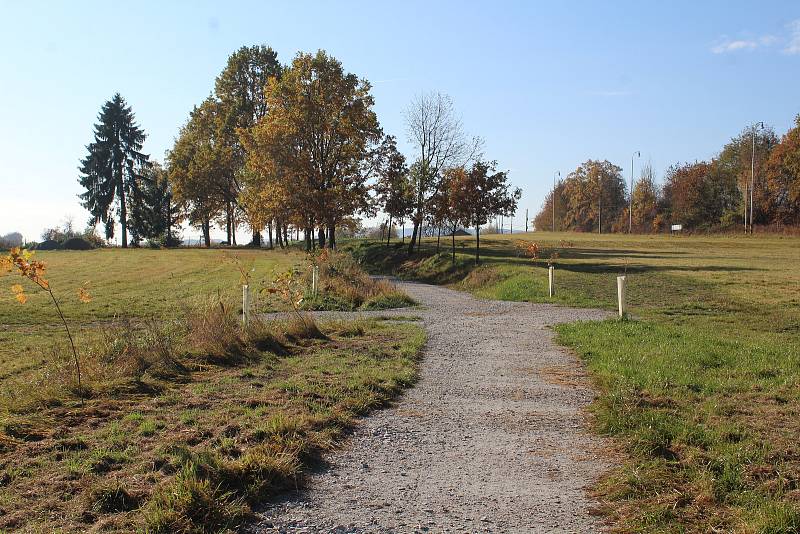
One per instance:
(491, 439)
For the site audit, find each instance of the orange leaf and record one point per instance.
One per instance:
(21, 298)
(16, 288)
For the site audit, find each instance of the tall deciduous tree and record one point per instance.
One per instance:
(242, 102)
(111, 172)
(481, 193)
(439, 139)
(198, 164)
(394, 188)
(315, 140)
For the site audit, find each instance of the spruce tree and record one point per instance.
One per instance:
(112, 170)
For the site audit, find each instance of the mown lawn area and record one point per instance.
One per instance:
(700, 388)
(187, 418)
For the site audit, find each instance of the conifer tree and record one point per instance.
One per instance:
(111, 172)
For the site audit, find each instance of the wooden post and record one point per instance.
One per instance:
(245, 304)
(552, 281)
(621, 295)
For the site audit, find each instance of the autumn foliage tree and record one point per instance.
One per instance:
(200, 165)
(479, 194)
(314, 141)
(394, 188)
(783, 178)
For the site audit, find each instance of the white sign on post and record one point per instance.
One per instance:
(677, 227)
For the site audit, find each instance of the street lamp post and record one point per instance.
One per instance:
(558, 173)
(758, 125)
(636, 154)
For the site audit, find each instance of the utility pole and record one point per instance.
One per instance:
(753, 173)
(600, 203)
(630, 207)
(526, 220)
(558, 173)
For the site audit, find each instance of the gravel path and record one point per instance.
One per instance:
(491, 439)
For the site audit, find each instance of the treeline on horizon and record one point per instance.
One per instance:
(754, 182)
(289, 148)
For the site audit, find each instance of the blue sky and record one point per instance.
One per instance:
(546, 84)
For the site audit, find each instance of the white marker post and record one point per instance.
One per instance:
(245, 304)
(551, 276)
(621, 295)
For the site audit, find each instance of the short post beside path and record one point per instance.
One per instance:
(621, 295)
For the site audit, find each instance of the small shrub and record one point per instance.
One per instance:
(128, 351)
(48, 244)
(191, 503)
(111, 497)
(77, 243)
(344, 285)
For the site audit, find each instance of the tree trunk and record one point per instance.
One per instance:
(228, 223)
(123, 214)
(477, 244)
(389, 232)
(438, 238)
(413, 239)
(332, 235)
(286, 234)
(321, 236)
(256, 238)
(308, 238)
(454, 244)
(207, 232)
(403, 235)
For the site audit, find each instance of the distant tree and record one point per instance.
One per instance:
(645, 201)
(544, 219)
(481, 193)
(783, 177)
(112, 169)
(595, 196)
(160, 213)
(394, 188)
(11, 240)
(439, 139)
(734, 165)
(688, 194)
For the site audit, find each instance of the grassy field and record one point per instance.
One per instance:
(188, 417)
(124, 284)
(700, 387)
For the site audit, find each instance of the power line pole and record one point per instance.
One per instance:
(753, 172)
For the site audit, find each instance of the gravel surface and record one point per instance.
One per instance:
(491, 439)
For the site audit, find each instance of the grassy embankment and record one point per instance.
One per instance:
(701, 388)
(188, 418)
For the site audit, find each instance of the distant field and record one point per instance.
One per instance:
(701, 387)
(124, 284)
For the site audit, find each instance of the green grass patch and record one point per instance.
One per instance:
(700, 388)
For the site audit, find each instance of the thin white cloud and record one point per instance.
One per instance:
(725, 47)
(609, 93)
(794, 39)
